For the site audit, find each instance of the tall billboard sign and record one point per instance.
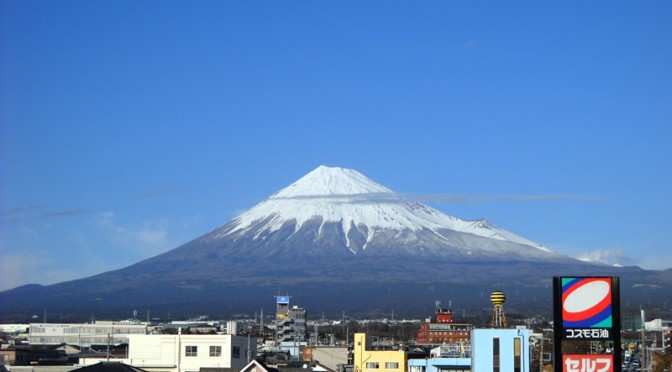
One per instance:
(586, 313)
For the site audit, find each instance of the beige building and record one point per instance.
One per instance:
(329, 356)
(366, 359)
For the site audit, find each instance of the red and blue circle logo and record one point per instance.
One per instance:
(586, 303)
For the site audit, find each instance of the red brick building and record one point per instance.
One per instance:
(442, 330)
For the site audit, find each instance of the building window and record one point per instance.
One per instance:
(235, 352)
(516, 355)
(391, 365)
(495, 354)
(215, 351)
(372, 365)
(191, 351)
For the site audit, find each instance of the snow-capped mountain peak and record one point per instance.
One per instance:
(345, 197)
(331, 181)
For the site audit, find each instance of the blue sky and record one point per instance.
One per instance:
(130, 127)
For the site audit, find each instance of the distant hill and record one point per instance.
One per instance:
(336, 241)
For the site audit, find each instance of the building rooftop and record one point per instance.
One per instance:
(109, 367)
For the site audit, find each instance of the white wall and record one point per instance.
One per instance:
(82, 334)
(167, 353)
(158, 351)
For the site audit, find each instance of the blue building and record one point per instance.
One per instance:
(491, 350)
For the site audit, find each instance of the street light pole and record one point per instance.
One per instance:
(541, 354)
(644, 359)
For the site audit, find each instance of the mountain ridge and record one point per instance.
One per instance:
(386, 248)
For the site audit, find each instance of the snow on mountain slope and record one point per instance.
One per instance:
(346, 197)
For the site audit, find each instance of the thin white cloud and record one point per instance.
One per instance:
(382, 197)
(453, 198)
(64, 213)
(612, 257)
(32, 265)
(657, 262)
(153, 235)
(16, 267)
(149, 238)
(22, 214)
(20, 210)
(108, 221)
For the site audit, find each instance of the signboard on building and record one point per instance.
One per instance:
(588, 363)
(282, 299)
(586, 309)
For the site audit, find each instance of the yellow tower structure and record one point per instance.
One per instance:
(498, 319)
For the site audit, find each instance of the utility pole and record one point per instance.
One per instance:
(541, 353)
(179, 349)
(249, 351)
(644, 359)
(261, 324)
(347, 336)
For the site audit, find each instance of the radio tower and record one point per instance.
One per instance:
(498, 319)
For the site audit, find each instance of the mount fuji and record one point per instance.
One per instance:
(337, 212)
(334, 240)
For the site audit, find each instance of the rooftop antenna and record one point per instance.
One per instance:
(260, 333)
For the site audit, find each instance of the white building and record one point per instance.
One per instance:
(100, 333)
(14, 328)
(186, 353)
(658, 325)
